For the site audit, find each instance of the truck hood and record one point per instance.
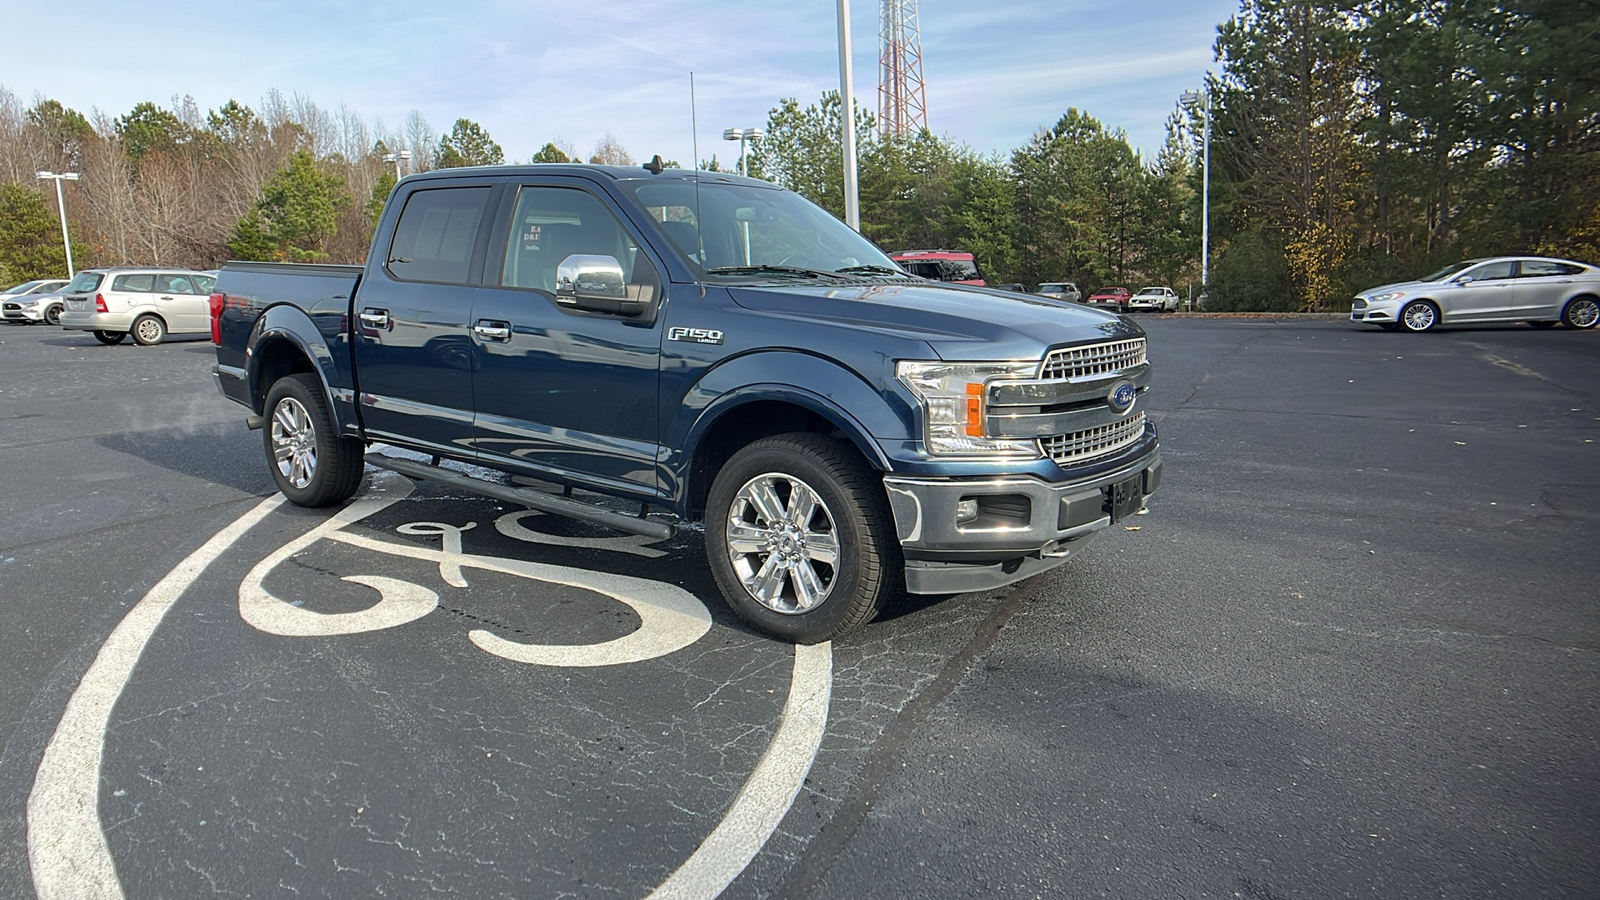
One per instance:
(960, 323)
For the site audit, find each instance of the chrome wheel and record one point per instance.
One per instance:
(1419, 316)
(783, 543)
(1583, 312)
(294, 442)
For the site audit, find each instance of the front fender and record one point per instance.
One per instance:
(286, 340)
(866, 414)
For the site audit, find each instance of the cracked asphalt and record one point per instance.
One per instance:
(1353, 651)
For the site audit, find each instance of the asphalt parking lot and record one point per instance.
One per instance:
(1353, 650)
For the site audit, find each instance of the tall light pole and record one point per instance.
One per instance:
(741, 135)
(852, 199)
(1202, 101)
(61, 204)
(396, 158)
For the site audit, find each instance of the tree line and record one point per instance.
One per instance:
(1352, 143)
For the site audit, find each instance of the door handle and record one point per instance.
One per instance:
(165, 298)
(375, 318)
(491, 330)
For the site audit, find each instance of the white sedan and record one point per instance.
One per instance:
(1532, 289)
(1160, 299)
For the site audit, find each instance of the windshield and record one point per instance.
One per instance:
(23, 288)
(739, 228)
(86, 281)
(1452, 269)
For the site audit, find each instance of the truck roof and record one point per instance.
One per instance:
(617, 173)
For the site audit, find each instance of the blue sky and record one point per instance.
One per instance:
(537, 70)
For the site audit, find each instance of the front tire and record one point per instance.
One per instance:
(310, 463)
(52, 315)
(1581, 312)
(110, 338)
(800, 539)
(1419, 316)
(148, 331)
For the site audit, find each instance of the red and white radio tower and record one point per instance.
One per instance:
(902, 105)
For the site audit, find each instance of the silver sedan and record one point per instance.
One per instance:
(1532, 289)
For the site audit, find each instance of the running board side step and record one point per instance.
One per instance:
(560, 506)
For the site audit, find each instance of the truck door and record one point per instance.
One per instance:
(413, 345)
(559, 389)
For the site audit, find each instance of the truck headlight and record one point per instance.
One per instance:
(953, 406)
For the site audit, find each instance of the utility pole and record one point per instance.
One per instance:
(61, 204)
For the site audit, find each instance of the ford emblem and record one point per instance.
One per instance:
(1122, 397)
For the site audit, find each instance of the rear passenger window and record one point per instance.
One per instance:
(437, 230)
(1536, 268)
(140, 283)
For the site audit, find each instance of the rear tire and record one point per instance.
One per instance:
(1419, 316)
(1581, 312)
(110, 337)
(309, 462)
(148, 330)
(800, 538)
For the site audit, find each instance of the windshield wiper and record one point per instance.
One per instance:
(873, 270)
(772, 270)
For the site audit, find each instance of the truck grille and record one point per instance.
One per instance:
(1089, 443)
(1093, 360)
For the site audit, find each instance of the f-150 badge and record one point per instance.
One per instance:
(694, 335)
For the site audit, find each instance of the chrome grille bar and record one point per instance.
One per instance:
(1093, 359)
(1092, 442)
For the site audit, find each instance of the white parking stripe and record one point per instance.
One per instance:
(772, 787)
(66, 846)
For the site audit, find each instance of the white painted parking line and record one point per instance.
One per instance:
(66, 846)
(771, 789)
(67, 849)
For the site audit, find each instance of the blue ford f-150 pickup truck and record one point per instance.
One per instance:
(714, 347)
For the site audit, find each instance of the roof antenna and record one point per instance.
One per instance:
(655, 166)
(694, 141)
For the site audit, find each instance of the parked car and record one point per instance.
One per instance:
(941, 265)
(1532, 289)
(836, 428)
(148, 302)
(34, 309)
(1059, 290)
(22, 303)
(1111, 296)
(1160, 299)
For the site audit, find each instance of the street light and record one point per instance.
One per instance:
(1202, 101)
(847, 114)
(395, 158)
(741, 135)
(62, 205)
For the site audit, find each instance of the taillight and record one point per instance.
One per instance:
(217, 300)
(100, 303)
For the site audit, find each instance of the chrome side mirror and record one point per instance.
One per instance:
(585, 277)
(595, 283)
(1464, 280)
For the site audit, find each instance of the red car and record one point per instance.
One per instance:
(1111, 296)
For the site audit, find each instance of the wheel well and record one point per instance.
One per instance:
(744, 425)
(1570, 300)
(276, 358)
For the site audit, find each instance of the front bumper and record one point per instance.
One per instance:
(12, 312)
(1375, 313)
(1022, 525)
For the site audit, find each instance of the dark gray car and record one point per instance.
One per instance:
(1532, 289)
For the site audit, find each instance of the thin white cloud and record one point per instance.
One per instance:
(533, 70)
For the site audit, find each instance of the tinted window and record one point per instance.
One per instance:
(434, 238)
(1534, 268)
(1491, 271)
(174, 284)
(142, 283)
(86, 281)
(552, 224)
(23, 288)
